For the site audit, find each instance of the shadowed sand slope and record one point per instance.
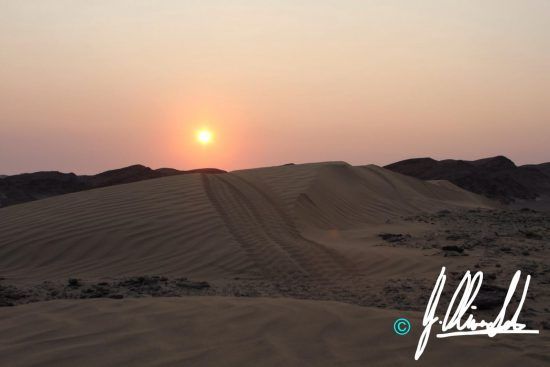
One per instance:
(162, 225)
(212, 226)
(212, 331)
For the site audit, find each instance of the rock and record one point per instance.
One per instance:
(454, 248)
(531, 235)
(490, 297)
(192, 285)
(458, 236)
(143, 281)
(394, 237)
(9, 295)
(74, 283)
(528, 210)
(94, 292)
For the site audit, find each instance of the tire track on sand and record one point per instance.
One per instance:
(267, 233)
(243, 224)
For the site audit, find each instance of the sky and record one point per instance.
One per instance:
(87, 86)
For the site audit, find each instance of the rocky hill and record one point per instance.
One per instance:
(496, 177)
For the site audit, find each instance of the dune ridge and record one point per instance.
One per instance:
(211, 226)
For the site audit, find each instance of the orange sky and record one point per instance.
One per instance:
(93, 85)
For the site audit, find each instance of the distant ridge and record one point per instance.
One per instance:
(495, 177)
(543, 167)
(26, 187)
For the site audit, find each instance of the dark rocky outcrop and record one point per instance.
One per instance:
(496, 177)
(543, 168)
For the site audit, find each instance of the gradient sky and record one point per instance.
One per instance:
(87, 86)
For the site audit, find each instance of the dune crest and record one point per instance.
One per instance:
(212, 226)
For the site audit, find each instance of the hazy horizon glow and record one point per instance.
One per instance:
(91, 86)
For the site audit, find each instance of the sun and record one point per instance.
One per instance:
(204, 136)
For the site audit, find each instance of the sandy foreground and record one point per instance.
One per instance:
(226, 331)
(294, 265)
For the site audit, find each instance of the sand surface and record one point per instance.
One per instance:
(225, 331)
(307, 245)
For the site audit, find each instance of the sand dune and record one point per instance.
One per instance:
(211, 226)
(143, 227)
(303, 231)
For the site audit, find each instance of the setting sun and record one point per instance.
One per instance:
(204, 136)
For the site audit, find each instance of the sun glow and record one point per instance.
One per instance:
(204, 136)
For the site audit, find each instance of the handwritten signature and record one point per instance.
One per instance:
(469, 287)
